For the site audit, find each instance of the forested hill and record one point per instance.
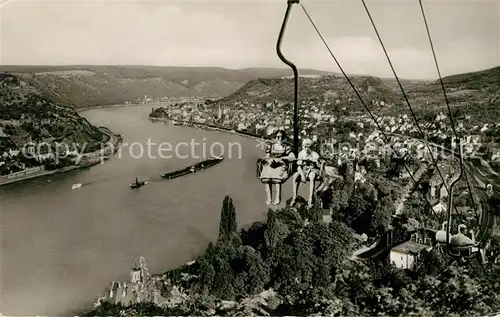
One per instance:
(474, 94)
(83, 86)
(28, 117)
(323, 90)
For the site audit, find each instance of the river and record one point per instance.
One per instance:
(62, 247)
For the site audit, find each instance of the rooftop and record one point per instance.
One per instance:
(409, 247)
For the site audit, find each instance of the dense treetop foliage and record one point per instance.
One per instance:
(307, 264)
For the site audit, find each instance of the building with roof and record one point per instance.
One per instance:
(440, 207)
(406, 255)
(2, 133)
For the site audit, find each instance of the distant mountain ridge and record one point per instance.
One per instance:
(81, 86)
(88, 85)
(475, 94)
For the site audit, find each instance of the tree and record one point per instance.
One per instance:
(276, 231)
(382, 216)
(360, 207)
(254, 269)
(223, 280)
(228, 224)
(254, 235)
(206, 275)
(456, 293)
(395, 168)
(341, 193)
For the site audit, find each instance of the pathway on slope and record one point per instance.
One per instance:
(381, 244)
(408, 190)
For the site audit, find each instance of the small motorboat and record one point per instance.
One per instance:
(76, 186)
(137, 184)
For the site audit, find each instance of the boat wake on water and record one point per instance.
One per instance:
(80, 185)
(76, 186)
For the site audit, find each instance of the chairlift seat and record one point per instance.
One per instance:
(292, 168)
(464, 251)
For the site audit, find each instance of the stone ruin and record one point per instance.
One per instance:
(133, 292)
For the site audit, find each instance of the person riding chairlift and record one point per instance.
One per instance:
(308, 162)
(275, 169)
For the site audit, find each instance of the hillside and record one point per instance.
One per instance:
(472, 94)
(475, 80)
(84, 86)
(475, 94)
(326, 90)
(27, 117)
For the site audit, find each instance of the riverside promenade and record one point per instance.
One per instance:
(86, 160)
(205, 126)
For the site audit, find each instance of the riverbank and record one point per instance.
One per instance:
(106, 106)
(210, 127)
(127, 105)
(31, 173)
(87, 160)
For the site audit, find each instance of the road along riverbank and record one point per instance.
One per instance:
(86, 160)
(209, 127)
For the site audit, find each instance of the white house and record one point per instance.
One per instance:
(3, 134)
(270, 130)
(406, 255)
(13, 153)
(358, 177)
(433, 191)
(439, 208)
(242, 126)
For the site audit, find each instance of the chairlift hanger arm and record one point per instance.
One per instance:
(290, 4)
(450, 199)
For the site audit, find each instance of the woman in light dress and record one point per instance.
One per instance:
(275, 169)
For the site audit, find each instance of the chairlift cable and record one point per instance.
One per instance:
(434, 161)
(361, 99)
(437, 67)
(447, 102)
(444, 91)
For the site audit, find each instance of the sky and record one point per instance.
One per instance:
(239, 34)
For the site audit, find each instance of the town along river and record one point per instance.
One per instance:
(61, 247)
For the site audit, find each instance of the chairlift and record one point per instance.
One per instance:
(292, 165)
